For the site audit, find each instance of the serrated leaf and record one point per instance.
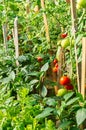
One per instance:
(47, 111)
(45, 67)
(71, 101)
(44, 91)
(80, 116)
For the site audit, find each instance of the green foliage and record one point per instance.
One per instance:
(25, 103)
(81, 115)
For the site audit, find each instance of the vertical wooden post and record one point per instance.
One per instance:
(73, 16)
(83, 74)
(15, 35)
(74, 27)
(4, 28)
(61, 62)
(27, 6)
(45, 22)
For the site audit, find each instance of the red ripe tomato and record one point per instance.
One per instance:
(56, 65)
(64, 80)
(68, 1)
(55, 69)
(39, 59)
(69, 87)
(55, 61)
(8, 37)
(63, 35)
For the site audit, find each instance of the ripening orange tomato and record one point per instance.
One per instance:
(39, 59)
(55, 69)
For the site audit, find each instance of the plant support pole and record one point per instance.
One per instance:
(73, 16)
(4, 28)
(45, 21)
(27, 6)
(83, 68)
(15, 35)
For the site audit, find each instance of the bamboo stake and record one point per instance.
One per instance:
(4, 28)
(45, 22)
(74, 27)
(83, 74)
(15, 36)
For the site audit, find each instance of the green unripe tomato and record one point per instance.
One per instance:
(61, 92)
(59, 42)
(81, 3)
(65, 43)
(78, 6)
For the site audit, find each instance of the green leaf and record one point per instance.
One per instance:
(72, 101)
(74, 128)
(5, 80)
(47, 111)
(45, 67)
(68, 96)
(44, 91)
(64, 125)
(12, 75)
(34, 74)
(51, 102)
(22, 58)
(79, 38)
(33, 82)
(80, 116)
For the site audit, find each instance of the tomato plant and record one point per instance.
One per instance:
(27, 97)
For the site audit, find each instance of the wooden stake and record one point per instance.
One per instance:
(27, 6)
(4, 28)
(83, 75)
(15, 35)
(45, 22)
(61, 62)
(74, 28)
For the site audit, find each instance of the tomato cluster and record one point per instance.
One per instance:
(55, 68)
(66, 82)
